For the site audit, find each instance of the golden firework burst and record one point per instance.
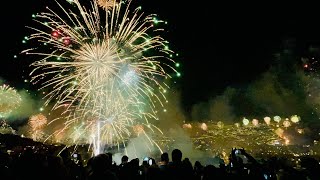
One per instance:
(107, 4)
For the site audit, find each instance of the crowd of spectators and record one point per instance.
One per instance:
(36, 163)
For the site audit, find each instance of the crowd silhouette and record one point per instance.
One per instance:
(36, 163)
(22, 159)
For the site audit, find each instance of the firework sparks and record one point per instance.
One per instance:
(255, 122)
(295, 119)
(107, 4)
(9, 99)
(37, 123)
(286, 123)
(101, 69)
(138, 129)
(219, 137)
(245, 121)
(204, 126)
(267, 120)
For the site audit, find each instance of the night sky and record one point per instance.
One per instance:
(219, 45)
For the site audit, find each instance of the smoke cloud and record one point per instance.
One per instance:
(29, 105)
(267, 96)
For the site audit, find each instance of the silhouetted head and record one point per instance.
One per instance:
(65, 154)
(197, 164)
(110, 157)
(124, 159)
(165, 157)
(176, 155)
(100, 162)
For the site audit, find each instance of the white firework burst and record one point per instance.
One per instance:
(100, 65)
(9, 99)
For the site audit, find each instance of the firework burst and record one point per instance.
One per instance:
(37, 123)
(268, 137)
(109, 70)
(107, 4)
(9, 100)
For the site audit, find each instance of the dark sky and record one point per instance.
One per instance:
(219, 44)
